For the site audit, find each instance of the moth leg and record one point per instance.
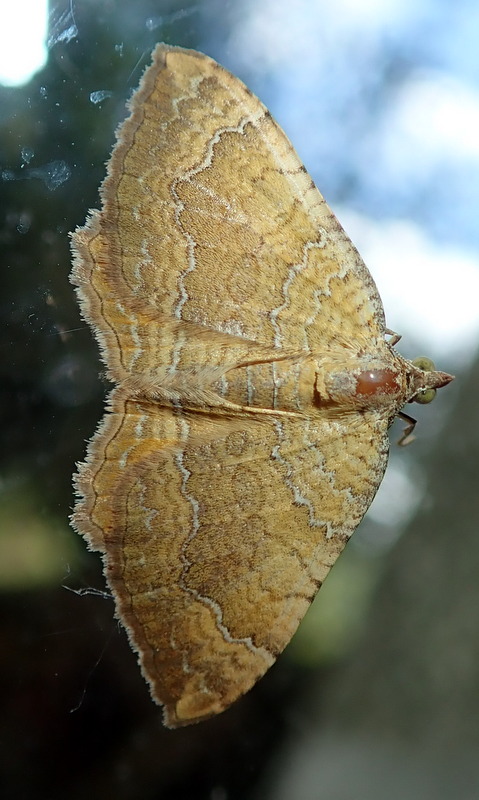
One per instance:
(395, 337)
(407, 434)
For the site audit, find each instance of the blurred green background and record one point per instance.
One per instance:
(378, 695)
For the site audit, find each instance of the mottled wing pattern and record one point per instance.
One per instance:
(213, 249)
(204, 189)
(210, 577)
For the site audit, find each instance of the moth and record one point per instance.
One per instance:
(254, 384)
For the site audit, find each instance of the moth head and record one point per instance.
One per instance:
(425, 380)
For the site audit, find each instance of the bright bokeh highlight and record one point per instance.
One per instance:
(23, 31)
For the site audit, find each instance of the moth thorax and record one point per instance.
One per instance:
(348, 388)
(374, 382)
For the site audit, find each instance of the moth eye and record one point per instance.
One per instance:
(424, 363)
(376, 381)
(426, 396)
(427, 365)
